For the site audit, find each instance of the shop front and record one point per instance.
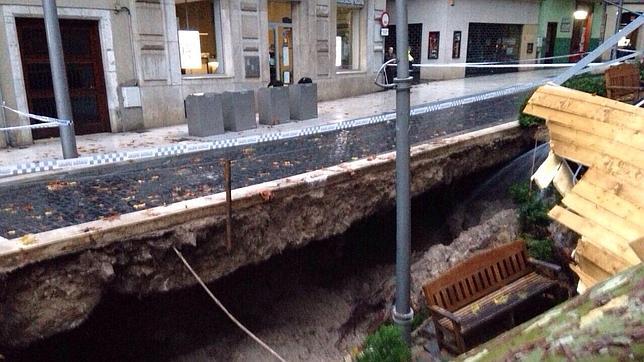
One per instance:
(131, 67)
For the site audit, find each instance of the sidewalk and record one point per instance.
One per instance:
(330, 112)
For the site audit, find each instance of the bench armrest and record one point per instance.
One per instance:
(553, 268)
(445, 313)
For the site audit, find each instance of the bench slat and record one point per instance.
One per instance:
(486, 307)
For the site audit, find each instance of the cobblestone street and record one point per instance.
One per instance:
(94, 194)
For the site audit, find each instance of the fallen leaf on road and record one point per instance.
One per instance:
(59, 185)
(139, 206)
(27, 239)
(266, 194)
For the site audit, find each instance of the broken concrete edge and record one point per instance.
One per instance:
(32, 248)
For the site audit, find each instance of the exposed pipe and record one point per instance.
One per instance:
(402, 314)
(59, 79)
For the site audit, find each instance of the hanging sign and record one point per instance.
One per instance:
(189, 49)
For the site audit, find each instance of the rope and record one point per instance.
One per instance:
(220, 305)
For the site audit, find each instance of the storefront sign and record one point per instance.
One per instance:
(565, 25)
(189, 49)
(351, 2)
(434, 41)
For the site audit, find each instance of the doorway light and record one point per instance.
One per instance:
(580, 14)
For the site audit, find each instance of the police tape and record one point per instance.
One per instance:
(519, 63)
(218, 144)
(48, 122)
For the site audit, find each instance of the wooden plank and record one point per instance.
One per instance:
(609, 201)
(606, 146)
(603, 217)
(590, 230)
(609, 261)
(619, 133)
(563, 179)
(592, 102)
(615, 186)
(551, 106)
(547, 171)
(584, 278)
(595, 271)
(588, 157)
(638, 247)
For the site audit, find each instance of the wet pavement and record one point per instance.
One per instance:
(93, 194)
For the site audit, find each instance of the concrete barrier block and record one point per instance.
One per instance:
(204, 113)
(273, 105)
(239, 110)
(303, 101)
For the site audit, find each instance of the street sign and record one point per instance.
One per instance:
(384, 19)
(384, 31)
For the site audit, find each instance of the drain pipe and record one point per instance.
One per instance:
(402, 313)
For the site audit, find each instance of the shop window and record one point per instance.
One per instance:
(347, 39)
(200, 44)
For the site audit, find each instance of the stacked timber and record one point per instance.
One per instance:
(606, 205)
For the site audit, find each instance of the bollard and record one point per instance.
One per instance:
(205, 116)
(303, 101)
(273, 105)
(239, 110)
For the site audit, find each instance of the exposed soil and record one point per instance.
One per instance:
(311, 304)
(55, 295)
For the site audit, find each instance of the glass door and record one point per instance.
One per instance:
(280, 42)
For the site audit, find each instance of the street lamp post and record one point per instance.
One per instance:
(59, 78)
(402, 313)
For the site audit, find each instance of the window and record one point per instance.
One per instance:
(199, 27)
(347, 39)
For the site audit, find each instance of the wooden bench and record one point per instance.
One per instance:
(478, 290)
(623, 83)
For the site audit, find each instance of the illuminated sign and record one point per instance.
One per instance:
(190, 49)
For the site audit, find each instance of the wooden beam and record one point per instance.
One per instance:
(563, 180)
(619, 133)
(547, 171)
(588, 157)
(615, 186)
(587, 105)
(603, 217)
(609, 261)
(606, 146)
(595, 271)
(610, 202)
(590, 230)
(584, 278)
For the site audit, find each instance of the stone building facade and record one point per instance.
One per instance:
(131, 63)
(562, 33)
(459, 31)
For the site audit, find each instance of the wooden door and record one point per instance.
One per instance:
(83, 61)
